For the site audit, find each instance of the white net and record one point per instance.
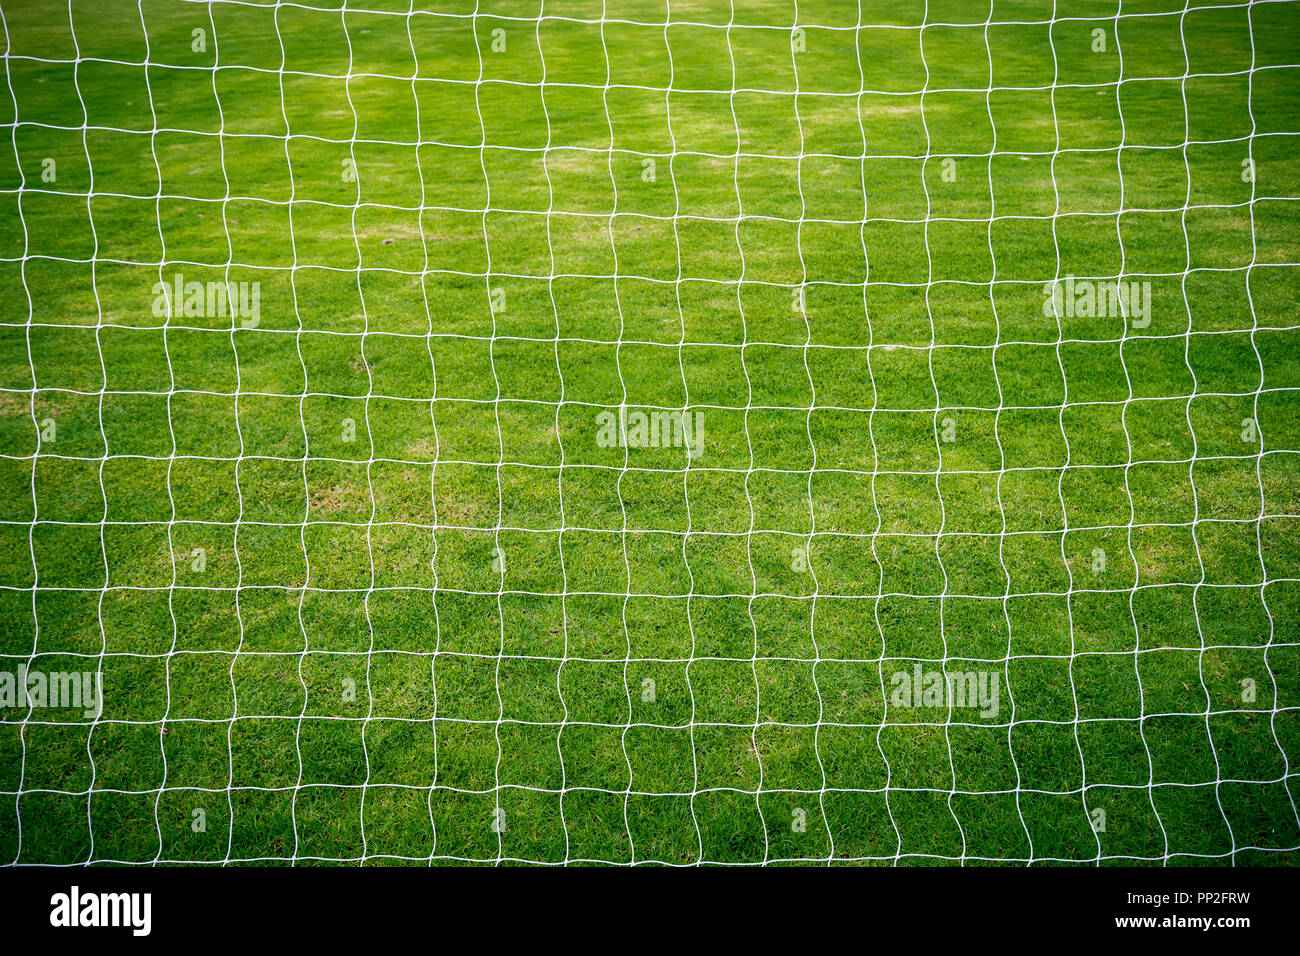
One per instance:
(650, 432)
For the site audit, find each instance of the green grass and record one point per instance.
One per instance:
(917, 466)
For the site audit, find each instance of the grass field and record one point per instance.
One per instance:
(363, 579)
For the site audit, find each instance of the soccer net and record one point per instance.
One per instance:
(644, 431)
